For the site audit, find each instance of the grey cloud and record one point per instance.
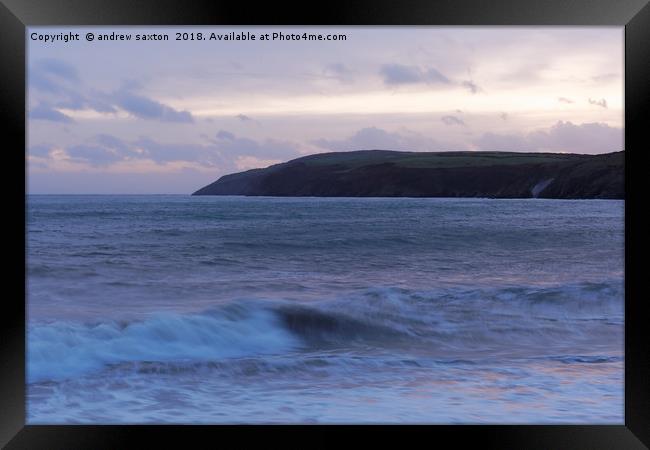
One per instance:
(561, 137)
(77, 101)
(452, 120)
(131, 85)
(373, 138)
(471, 86)
(74, 101)
(222, 134)
(230, 145)
(268, 149)
(41, 82)
(66, 89)
(504, 116)
(338, 71)
(49, 74)
(564, 100)
(244, 118)
(113, 143)
(396, 74)
(602, 102)
(57, 68)
(46, 112)
(65, 86)
(39, 150)
(433, 76)
(61, 80)
(99, 105)
(146, 108)
(587, 137)
(339, 68)
(223, 151)
(104, 149)
(160, 152)
(94, 154)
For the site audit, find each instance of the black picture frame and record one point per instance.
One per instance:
(16, 15)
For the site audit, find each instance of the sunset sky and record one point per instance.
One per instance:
(172, 116)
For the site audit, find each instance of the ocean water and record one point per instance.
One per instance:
(179, 309)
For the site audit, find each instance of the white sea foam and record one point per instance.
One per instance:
(61, 350)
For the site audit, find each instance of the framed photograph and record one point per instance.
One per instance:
(419, 218)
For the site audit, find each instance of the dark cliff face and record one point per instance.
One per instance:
(449, 174)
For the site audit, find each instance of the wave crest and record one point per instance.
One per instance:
(450, 322)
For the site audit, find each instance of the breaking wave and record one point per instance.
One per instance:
(452, 322)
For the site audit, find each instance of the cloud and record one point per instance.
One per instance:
(110, 152)
(564, 100)
(337, 70)
(270, 149)
(561, 137)
(41, 82)
(226, 152)
(471, 86)
(146, 108)
(396, 74)
(222, 134)
(223, 150)
(46, 112)
(132, 84)
(602, 102)
(95, 155)
(61, 82)
(57, 68)
(65, 90)
(114, 143)
(39, 150)
(206, 155)
(48, 74)
(503, 116)
(244, 118)
(103, 150)
(373, 138)
(452, 120)
(78, 101)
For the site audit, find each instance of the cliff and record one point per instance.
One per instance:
(381, 173)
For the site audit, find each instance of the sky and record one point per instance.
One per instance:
(166, 117)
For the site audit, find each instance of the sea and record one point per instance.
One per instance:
(178, 309)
